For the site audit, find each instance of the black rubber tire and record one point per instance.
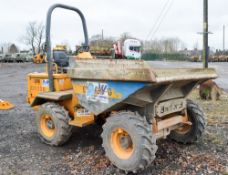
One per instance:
(196, 116)
(140, 132)
(60, 118)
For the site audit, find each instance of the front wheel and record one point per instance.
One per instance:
(128, 141)
(190, 133)
(52, 124)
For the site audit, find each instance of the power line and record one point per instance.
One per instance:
(158, 19)
(166, 12)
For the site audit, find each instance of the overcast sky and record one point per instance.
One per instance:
(183, 20)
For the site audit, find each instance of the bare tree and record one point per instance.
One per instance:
(167, 45)
(98, 41)
(40, 37)
(34, 36)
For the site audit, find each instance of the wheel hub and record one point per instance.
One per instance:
(50, 124)
(47, 126)
(184, 129)
(122, 144)
(125, 141)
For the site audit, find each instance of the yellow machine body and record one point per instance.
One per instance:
(38, 83)
(84, 56)
(42, 58)
(139, 104)
(39, 58)
(38, 93)
(60, 47)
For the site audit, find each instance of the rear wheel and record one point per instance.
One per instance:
(128, 141)
(52, 123)
(190, 133)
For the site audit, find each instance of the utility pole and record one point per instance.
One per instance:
(102, 34)
(224, 34)
(205, 34)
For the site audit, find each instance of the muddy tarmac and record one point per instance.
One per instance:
(21, 151)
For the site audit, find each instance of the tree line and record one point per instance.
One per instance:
(34, 38)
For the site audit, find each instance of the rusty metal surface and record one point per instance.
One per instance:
(117, 70)
(170, 106)
(134, 70)
(162, 128)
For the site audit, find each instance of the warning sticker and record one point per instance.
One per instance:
(97, 92)
(45, 83)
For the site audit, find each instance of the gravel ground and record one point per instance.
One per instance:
(21, 151)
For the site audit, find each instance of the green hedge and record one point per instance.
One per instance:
(164, 56)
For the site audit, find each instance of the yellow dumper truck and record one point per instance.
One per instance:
(138, 103)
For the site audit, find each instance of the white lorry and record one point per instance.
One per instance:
(128, 49)
(121, 49)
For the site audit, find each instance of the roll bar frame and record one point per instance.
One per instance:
(48, 38)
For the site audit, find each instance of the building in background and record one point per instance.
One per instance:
(9, 48)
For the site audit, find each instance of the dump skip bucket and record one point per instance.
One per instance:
(105, 85)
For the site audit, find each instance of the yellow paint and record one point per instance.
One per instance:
(35, 84)
(84, 56)
(60, 47)
(70, 104)
(113, 94)
(5, 105)
(82, 120)
(79, 89)
(120, 151)
(61, 83)
(45, 130)
(39, 58)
